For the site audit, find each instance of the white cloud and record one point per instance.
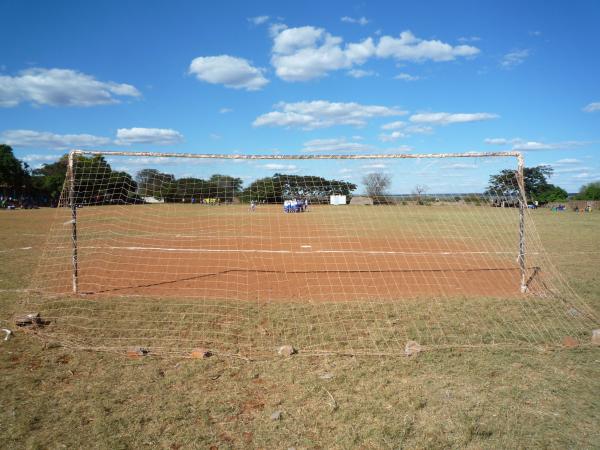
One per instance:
(568, 161)
(572, 170)
(393, 125)
(60, 87)
(469, 39)
(304, 53)
(496, 141)
(394, 135)
(514, 58)
(535, 33)
(230, 71)
(410, 48)
(406, 77)
(44, 139)
(374, 166)
(459, 166)
(285, 168)
(592, 107)
(583, 175)
(335, 145)
(36, 161)
(419, 129)
(360, 73)
(322, 114)
(444, 118)
(276, 28)
(225, 110)
(258, 20)
(532, 145)
(565, 145)
(398, 149)
(360, 21)
(155, 136)
(524, 145)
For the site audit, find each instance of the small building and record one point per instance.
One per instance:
(337, 199)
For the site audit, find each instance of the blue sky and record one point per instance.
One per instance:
(314, 77)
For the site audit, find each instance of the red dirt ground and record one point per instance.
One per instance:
(279, 259)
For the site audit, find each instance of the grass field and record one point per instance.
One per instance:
(534, 396)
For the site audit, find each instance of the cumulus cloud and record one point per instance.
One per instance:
(585, 175)
(258, 20)
(154, 136)
(444, 118)
(406, 77)
(407, 130)
(456, 166)
(469, 39)
(561, 171)
(225, 110)
(305, 53)
(408, 47)
(531, 145)
(323, 114)
(282, 168)
(419, 129)
(525, 145)
(592, 107)
(335, 145)
(374, 166)
(38, 160)
(496, 141)
(230, 71)
(514, 58)
(360, 21)
(60, 87)
(44, 139)
(394, 135)
(568, 161)
(360, 73)
(393, 125)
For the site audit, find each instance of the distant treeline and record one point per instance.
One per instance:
(97, 183)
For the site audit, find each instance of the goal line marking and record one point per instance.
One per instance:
(285, 252)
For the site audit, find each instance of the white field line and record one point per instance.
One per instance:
(285, 252)
(250, 236)
(15, 249)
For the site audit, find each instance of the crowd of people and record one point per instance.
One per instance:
(295, 205)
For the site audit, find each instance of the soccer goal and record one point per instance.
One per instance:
(241, 253)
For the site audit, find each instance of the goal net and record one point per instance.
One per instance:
(355, 254)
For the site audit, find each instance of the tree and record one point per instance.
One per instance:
(551, 194)
(120, 188)
(263, 189)
(535, 181)
(376, 183)
(13, 173)
(419, 191)
(281, 186)
(589, 191)
(226, 187)
(48, 180)
(153, 183)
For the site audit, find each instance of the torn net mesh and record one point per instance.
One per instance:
(243, 255)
